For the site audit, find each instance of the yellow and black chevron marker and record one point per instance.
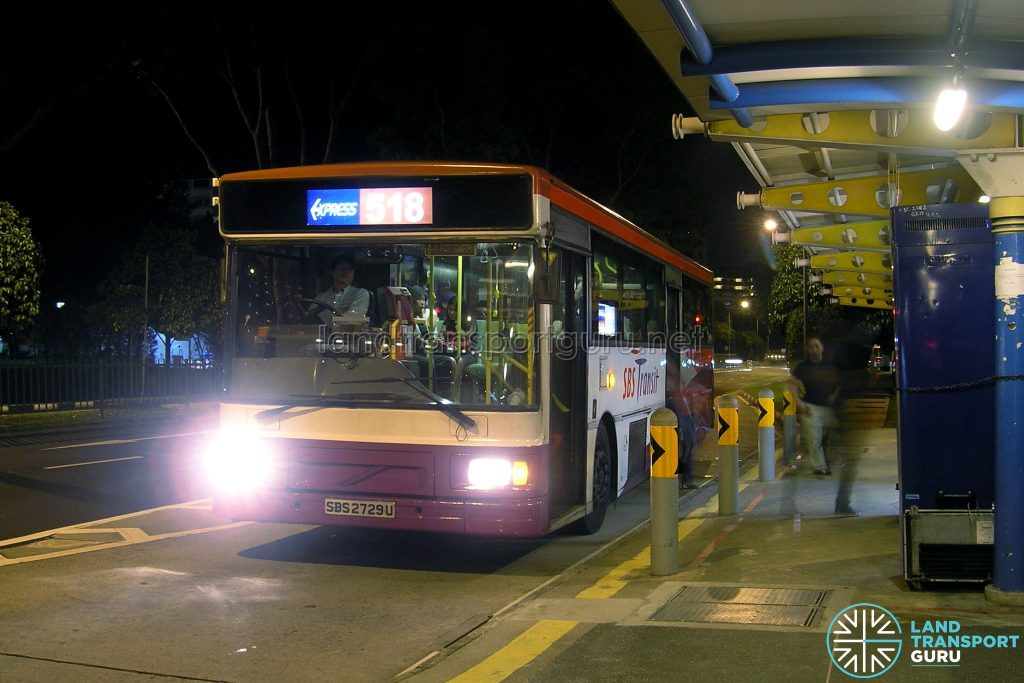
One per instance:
(766, 406)
(728, 426)
(664, 443)
(788, 404)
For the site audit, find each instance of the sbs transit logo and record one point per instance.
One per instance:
(864, 640)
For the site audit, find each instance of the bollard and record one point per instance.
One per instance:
(728, 455)
(664, 451)
(788, 429)
(766, 435)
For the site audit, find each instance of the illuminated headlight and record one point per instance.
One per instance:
(237, 460)
(493, 473)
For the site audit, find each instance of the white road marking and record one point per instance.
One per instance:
(194, 504)
(91, 443)
(124, 535)
(130, 536)
(92, 462)
(117, 441)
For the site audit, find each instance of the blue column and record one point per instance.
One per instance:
(1007, 214)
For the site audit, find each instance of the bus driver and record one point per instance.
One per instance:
(342, 295)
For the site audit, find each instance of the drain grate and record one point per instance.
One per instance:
(744, 605)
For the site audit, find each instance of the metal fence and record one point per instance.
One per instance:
(47, 385)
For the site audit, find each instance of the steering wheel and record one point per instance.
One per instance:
(295, 311)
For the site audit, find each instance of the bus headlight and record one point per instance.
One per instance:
(237, 460)
(494, 473)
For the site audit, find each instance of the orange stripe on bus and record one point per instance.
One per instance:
(544, 184)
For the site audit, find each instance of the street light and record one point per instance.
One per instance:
(729, 338)
(770, 224)
(745, 305)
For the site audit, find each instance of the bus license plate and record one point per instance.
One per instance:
(359, 508)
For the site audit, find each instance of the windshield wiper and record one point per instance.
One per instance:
(270, 414)
(443, 404)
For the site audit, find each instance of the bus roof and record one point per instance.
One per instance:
(559, 193)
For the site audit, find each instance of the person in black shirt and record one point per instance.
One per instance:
(816, 391)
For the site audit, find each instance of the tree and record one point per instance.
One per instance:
(183, 298)
(266, 87)
(753, 343)
(49, 66)
(786, 299)
(20, 263)
(119, 315)
(724, 333)
(183, 291)
(787, 284)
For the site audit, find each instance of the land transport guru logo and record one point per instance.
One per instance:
(865, 640)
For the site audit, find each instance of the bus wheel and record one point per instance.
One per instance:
(602, 483)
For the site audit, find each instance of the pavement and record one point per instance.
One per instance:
(759, 595)
(767, 594)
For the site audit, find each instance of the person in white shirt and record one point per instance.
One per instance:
(343, 296)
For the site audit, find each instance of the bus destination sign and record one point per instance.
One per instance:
(370, 206)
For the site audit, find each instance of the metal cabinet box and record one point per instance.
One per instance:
(948, 546)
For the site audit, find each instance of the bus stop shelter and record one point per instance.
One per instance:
(842, 112)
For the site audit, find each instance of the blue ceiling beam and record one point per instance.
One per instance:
(952, 51)
(983, 94)
(700, 47)
(839, 52)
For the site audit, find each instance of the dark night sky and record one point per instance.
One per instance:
(566, 85)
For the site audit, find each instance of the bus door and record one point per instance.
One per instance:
(568, 418)
(677, 375)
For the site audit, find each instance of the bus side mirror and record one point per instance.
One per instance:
(547, 270)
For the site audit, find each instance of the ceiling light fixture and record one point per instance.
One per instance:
(950, 104)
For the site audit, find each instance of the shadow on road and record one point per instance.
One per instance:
(397, 550)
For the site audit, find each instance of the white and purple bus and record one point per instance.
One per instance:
(498, 377)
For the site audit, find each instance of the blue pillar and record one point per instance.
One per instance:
(1007, 215)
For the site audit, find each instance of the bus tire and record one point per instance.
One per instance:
(602, 483)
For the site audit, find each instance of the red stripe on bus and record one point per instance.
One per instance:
(544, 184)
(381, 168)
(631, 234)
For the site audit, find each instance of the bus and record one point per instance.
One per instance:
(499, 377)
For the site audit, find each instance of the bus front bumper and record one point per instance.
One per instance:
(519, 517)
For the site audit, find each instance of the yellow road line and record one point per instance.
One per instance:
(535, 640)
(615, 580)
(526, 647)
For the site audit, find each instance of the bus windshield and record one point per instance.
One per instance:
(383, 324)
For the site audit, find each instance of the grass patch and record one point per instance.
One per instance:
(48, 420)
(69, 419)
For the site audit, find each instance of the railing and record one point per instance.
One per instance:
(48, 385)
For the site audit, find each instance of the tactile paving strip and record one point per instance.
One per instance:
(744, 605)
